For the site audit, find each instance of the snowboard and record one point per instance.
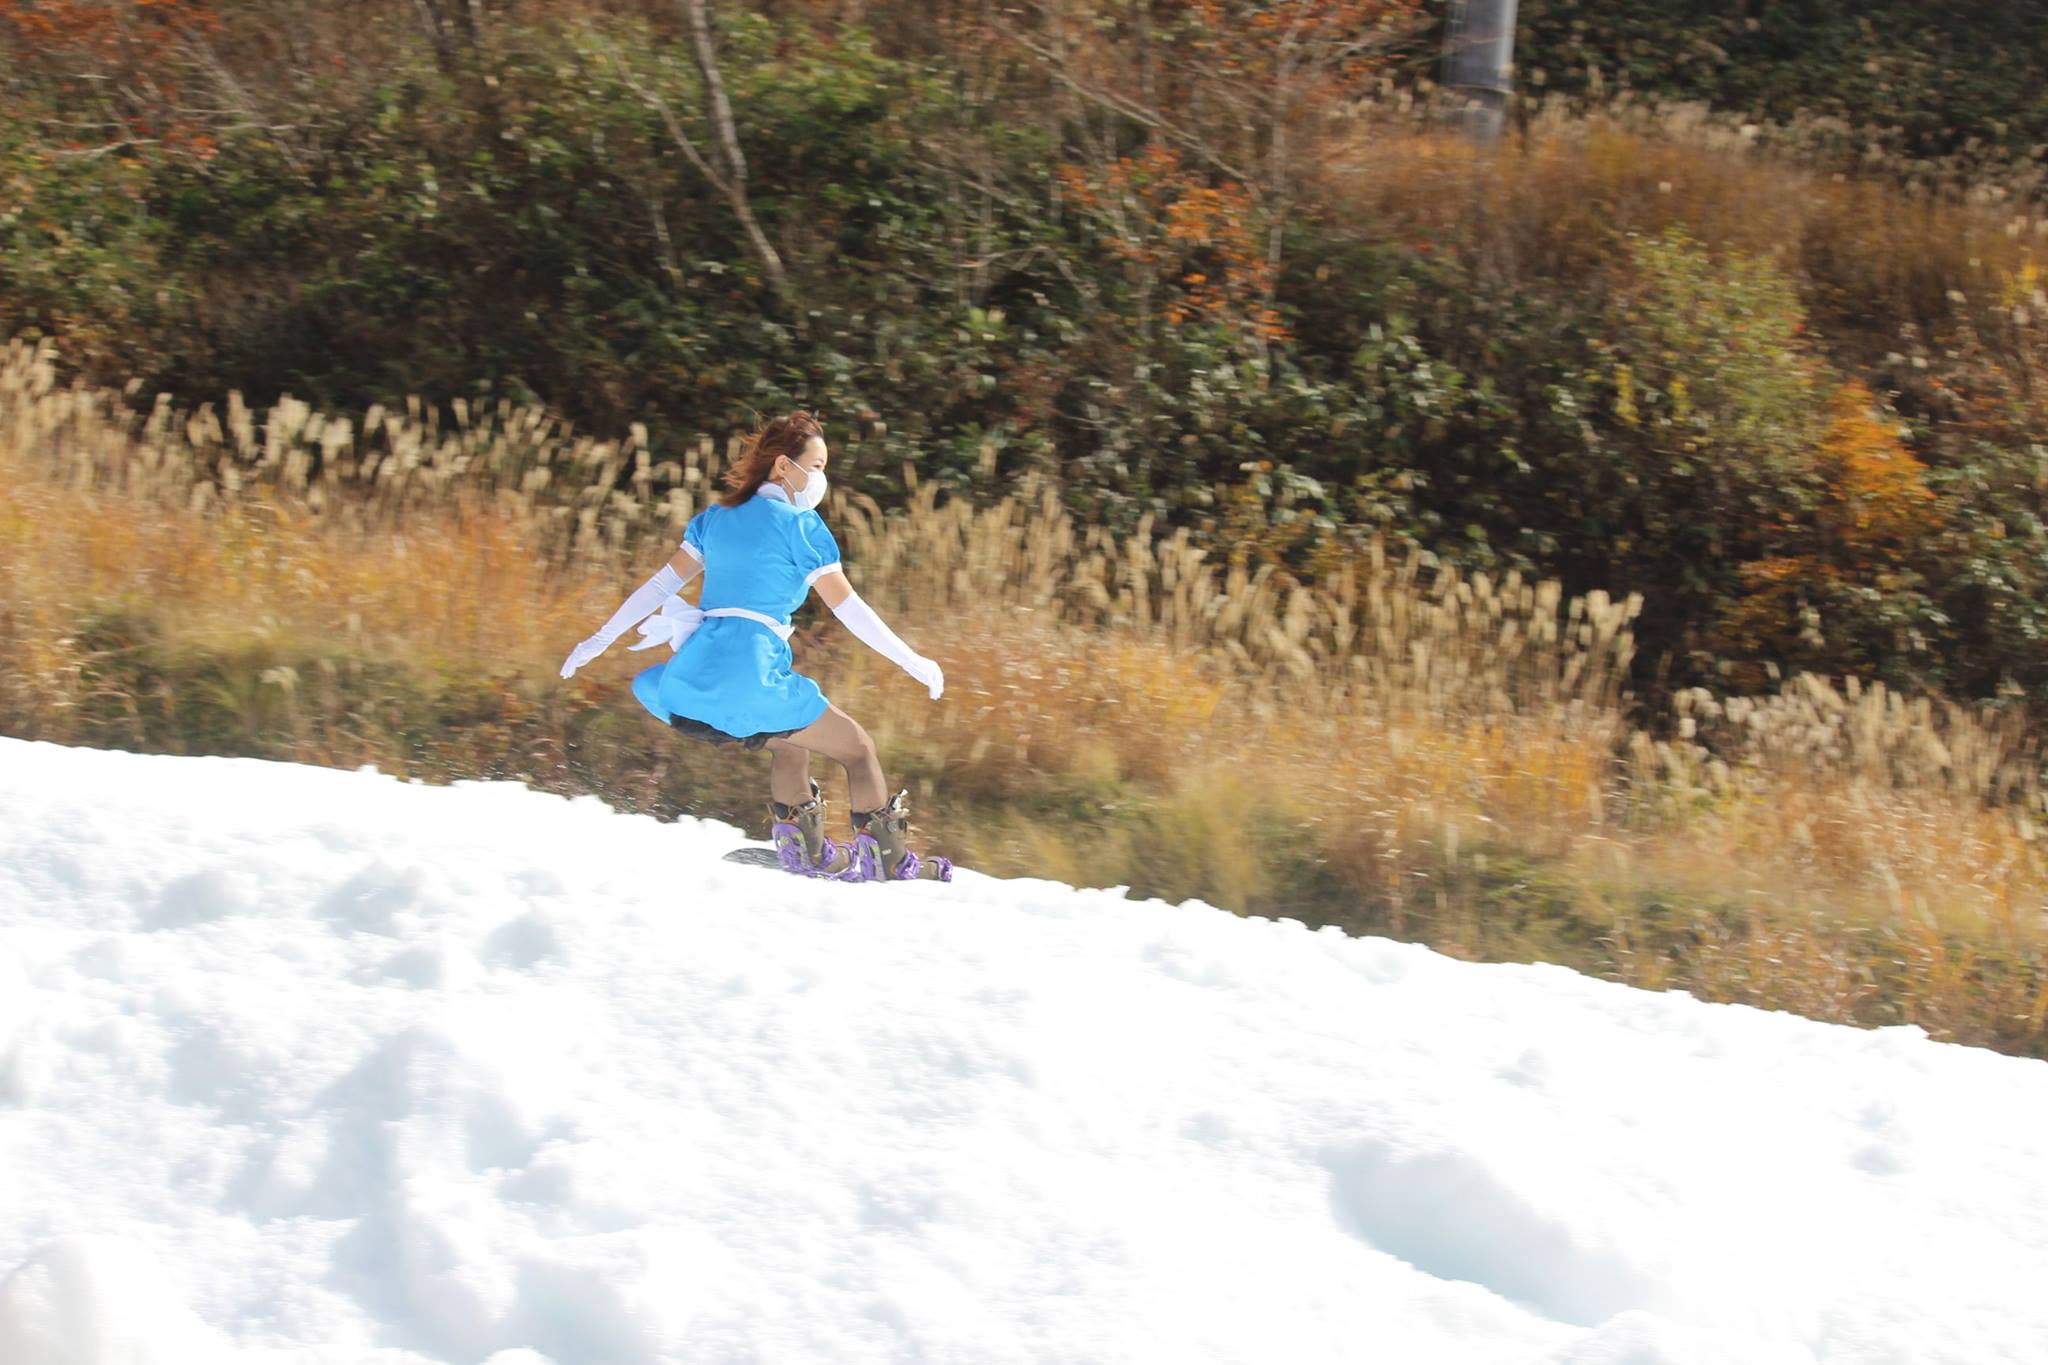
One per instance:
(863, 870)
(754, 857)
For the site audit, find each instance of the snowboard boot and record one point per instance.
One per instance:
(881, 843)
(800, 842)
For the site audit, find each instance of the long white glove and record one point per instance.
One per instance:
(858, 617)
(640, 604)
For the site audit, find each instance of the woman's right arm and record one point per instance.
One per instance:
(641, 603)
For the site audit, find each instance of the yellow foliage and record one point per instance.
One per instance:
(1878, 504)
(1874, 513)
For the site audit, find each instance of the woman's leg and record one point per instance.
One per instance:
(839, 737)
(789, 782)
(789, 772)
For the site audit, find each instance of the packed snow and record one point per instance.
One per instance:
(313, 1066)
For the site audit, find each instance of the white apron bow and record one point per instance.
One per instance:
(676, 622)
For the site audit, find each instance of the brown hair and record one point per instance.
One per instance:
(783, 436)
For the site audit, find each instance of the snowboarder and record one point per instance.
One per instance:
(761, 547)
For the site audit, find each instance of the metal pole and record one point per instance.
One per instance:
(1479, 58)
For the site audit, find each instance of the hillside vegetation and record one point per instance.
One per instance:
(1940, 97)
(1628, 550)
(1426, 755)
(1254, 298)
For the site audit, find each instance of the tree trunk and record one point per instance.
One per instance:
(1479, 57)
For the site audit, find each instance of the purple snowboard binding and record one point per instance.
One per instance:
(860, 861)
(885, 853)
(834, 862)
(802, 847)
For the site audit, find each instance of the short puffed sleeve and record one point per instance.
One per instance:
(817, 553)
(693, 534)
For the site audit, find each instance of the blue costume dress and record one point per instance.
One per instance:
(733, 673)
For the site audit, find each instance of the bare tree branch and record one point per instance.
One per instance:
(653, 100)
(734, 195)
(436, 28)
(1130, 109)
(728, 142)
(232, 91)
(86, 153)
(669, 265)
(715, 103)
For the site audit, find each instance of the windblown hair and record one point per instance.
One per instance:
(785, 435)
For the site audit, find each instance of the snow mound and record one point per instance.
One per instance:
(97, 1301)
(326, 1068)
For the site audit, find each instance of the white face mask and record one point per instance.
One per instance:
(813, 491)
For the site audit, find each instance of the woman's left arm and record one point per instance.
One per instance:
(857, 616)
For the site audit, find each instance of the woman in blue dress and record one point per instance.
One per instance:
(761, 549)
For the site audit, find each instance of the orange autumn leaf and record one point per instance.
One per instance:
(1171, 221)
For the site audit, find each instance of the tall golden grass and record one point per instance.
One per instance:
(1449, 759)
(1894, 261)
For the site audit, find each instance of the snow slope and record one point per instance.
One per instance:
(300, 1065)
